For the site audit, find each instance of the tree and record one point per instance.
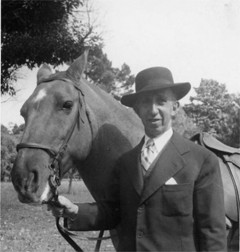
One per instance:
(8, 153)
(184, 125)
(101, 72)
(124, 80)
(54, 32)
(16, 130)
(216, 111)
(48, 31)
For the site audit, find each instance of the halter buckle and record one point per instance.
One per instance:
(54, 182)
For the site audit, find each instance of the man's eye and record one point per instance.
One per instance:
(160, 101)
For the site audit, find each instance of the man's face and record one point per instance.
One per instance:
(156, 110)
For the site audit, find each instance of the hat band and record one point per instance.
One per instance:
(159, 81)
(156, 83)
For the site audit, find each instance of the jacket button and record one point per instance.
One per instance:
(140, 234)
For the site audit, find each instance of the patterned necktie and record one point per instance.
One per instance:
(148, 154)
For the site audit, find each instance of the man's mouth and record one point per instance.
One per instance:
(154, 120)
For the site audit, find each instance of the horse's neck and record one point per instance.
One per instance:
(105, 110)
(115, 130)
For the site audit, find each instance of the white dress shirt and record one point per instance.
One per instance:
(160, 141)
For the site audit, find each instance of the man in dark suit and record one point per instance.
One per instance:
(167, 192)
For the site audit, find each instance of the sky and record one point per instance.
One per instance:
(195, 39)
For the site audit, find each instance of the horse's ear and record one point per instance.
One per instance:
(76, 69)
(44, 72)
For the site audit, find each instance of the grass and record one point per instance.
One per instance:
(32, 228)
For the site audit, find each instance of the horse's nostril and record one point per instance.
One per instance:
(31, 185)
(35, 177)
(26, 184)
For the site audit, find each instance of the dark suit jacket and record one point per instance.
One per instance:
(154, 216)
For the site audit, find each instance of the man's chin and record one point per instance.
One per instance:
(154, 132)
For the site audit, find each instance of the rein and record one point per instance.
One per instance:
(54, 179)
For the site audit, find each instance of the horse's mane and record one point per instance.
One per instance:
(125, 115)
(100, 99)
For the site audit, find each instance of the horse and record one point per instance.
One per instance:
(229, 163)
(71, 123)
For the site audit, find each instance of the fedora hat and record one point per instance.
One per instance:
(155, 79)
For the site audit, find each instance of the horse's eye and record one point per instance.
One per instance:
(67, 105)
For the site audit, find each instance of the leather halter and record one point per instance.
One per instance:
(54, 166)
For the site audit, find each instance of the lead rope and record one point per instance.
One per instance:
(54, 179)
(66, 235)
(63, 231)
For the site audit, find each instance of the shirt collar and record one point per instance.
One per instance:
(161, 140)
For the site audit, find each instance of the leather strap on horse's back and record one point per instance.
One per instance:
(212, 143)
(231, 157)
(234, 159)
(235, 176)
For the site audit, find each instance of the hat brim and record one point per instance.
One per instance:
(179, 89)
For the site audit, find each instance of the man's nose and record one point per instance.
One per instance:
(153, 108)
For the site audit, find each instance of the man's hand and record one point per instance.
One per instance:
(63, 208)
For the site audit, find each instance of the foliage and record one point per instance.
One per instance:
(18, 130)
(9, 140)
(125, 81)
(101, 72)
(55, 32)
(8, 152)
(184, 125)
(216, 111)
(34, 32)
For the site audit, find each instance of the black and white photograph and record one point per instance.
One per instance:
(120, 125)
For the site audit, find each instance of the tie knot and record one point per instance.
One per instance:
(148, 154)
(149, 143)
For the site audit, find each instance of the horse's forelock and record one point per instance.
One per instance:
(52, 77)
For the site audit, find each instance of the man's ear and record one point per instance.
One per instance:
(176, 106)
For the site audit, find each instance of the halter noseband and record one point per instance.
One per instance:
(55, 176)
(54, 166)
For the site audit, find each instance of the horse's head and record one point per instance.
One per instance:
(53, 115)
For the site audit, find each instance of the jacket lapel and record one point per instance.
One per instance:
(135, 170)
(169, 163)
